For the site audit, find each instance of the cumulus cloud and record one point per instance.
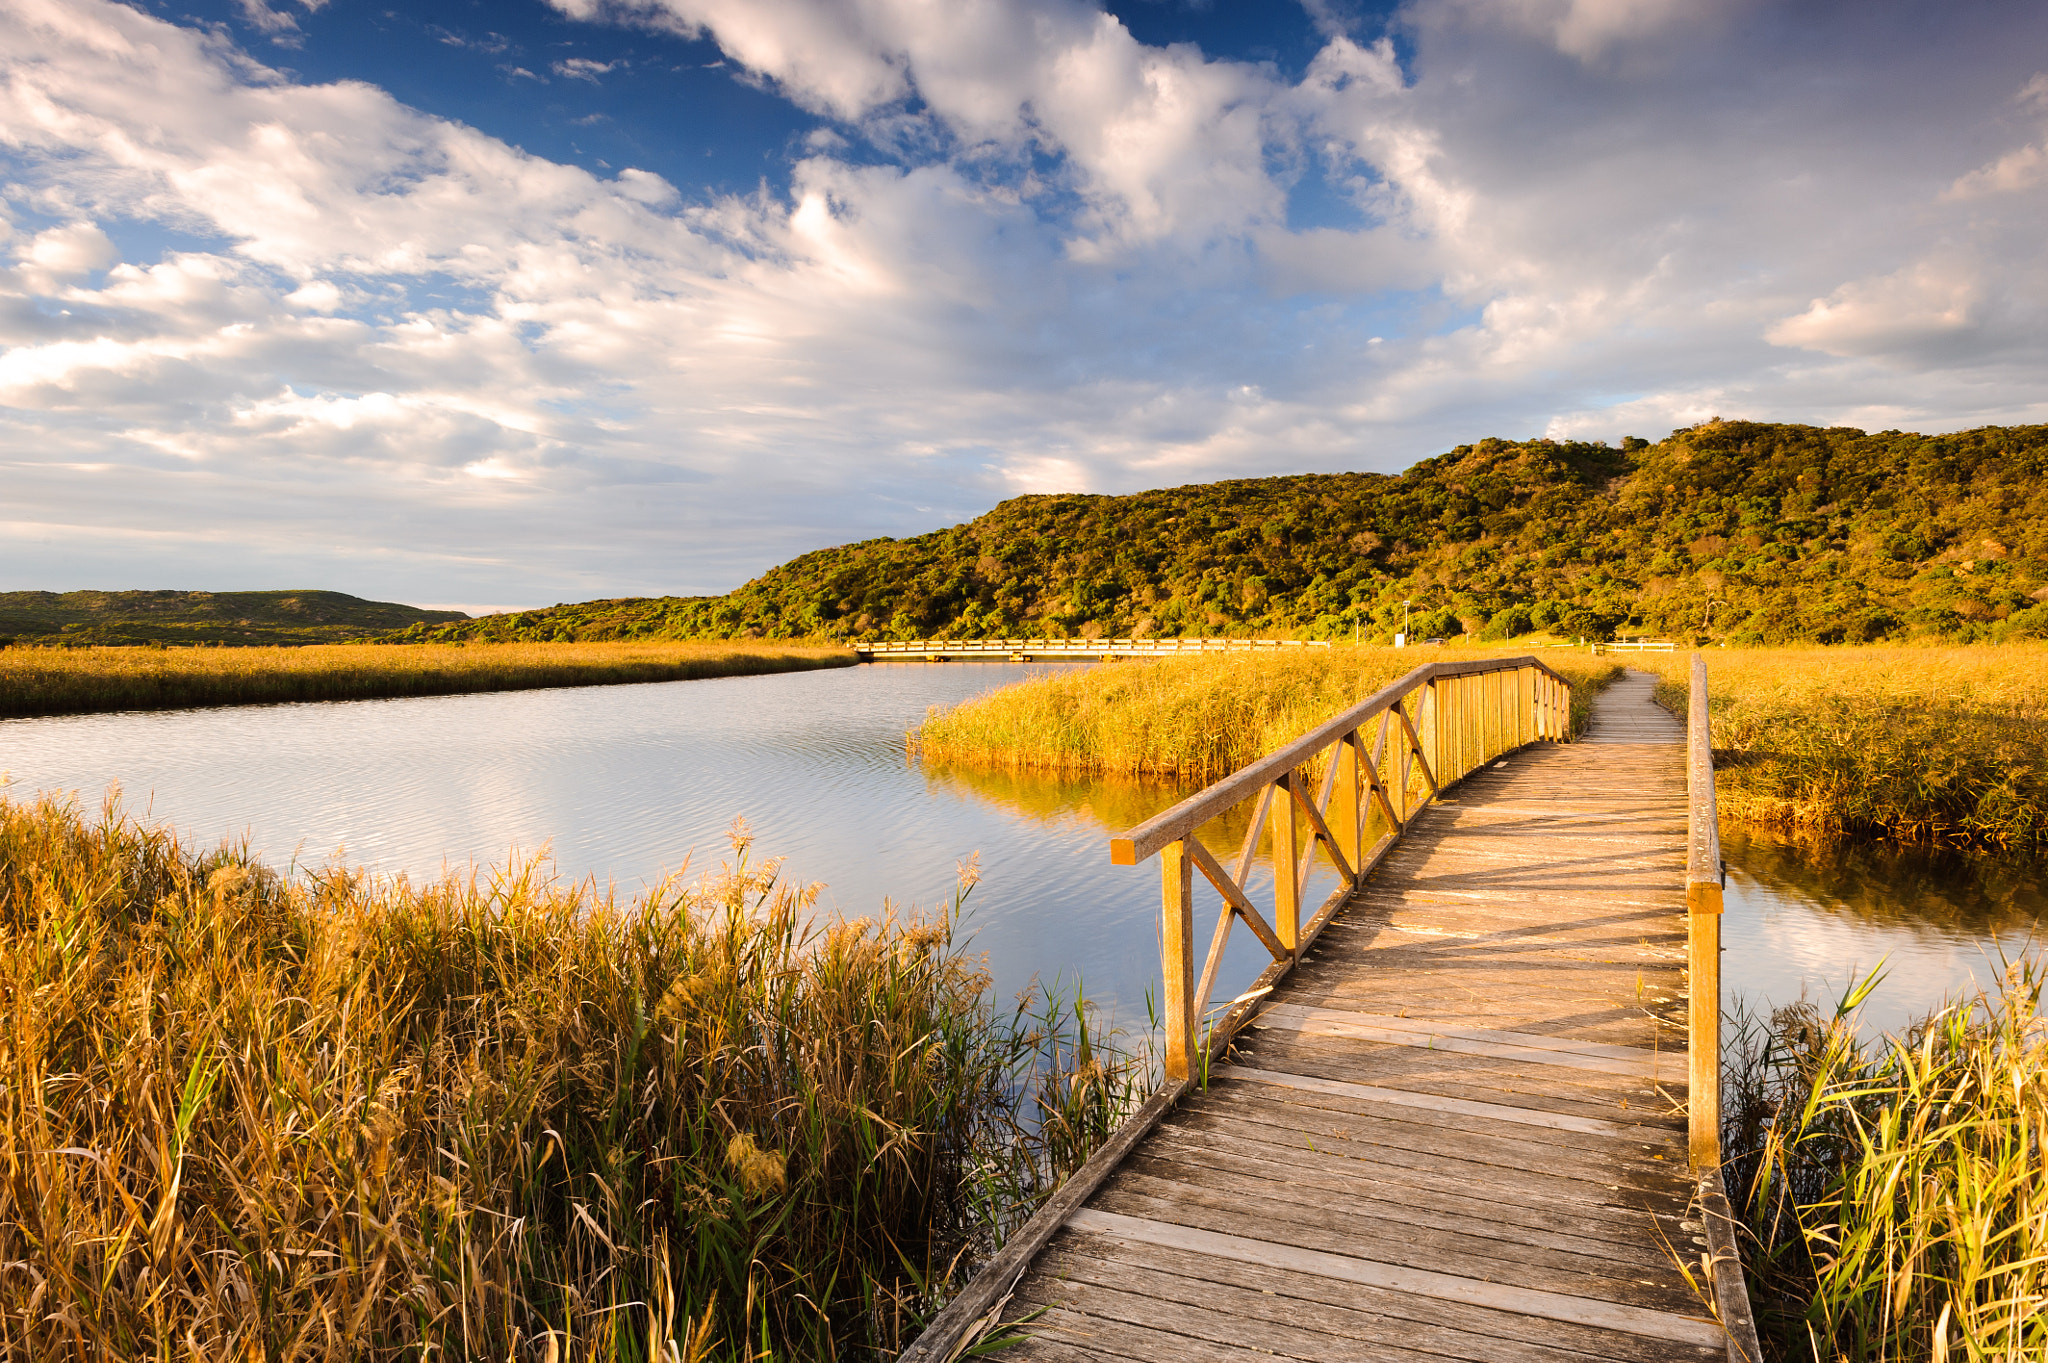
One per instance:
(1028, 253)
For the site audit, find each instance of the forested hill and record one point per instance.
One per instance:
(172, 617)
(1735, 531)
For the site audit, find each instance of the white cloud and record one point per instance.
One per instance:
(456, 370)
(74, 249)
(583, 68)
(1591, 29)
(1910, 309)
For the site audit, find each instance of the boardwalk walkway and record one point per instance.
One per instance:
(1456, 1132)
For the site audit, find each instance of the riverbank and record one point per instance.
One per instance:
(1892, 1190)
(495, 1115)
(1931, 745)
(1193, 719)
(54, 681)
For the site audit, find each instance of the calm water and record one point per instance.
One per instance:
(625, 783)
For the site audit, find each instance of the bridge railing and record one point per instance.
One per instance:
(1703, 891)
(1704, 882)
(1349, 788)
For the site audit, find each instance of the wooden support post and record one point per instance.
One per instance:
(1703, 1019)
(1177, 956)
(1463, 729)
(1286, 871)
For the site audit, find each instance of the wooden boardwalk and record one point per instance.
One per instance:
(1457, 1129)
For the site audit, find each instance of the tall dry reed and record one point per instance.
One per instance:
(1935, 745)
(1193, 719)
(51, 681)
(495, 1116)
(1893, 1192)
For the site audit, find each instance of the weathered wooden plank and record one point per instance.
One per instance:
(1623, 1196)
(1430, 1326)
(1428, 1102)
(1097, 1336)
(1368, 1216)
(1533, 1149)
(1327, 1023)
(1463, 1063)
(1460, 1076)
(1331, 1176)
(1263, 1322)
(1549, 1304)
(1438, 1027)
(1477, 1157)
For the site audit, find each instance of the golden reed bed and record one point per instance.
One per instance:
(49, 681)
(1932, 745)
(496, 1116)
(1193, 719)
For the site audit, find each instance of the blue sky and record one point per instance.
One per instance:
(503, 304)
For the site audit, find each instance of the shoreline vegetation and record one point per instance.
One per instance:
(1890, 1191)
(1945, 746)
(59, 681)
(1194, 719)
(499, 1116)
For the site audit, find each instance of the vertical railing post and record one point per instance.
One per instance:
(1177, 957)
(1703, 896)
(1435, 754)
(1286, 869)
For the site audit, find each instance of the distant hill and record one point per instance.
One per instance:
(1730, 530)
(168, 617)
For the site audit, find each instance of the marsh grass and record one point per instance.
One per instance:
(1931, 745)
(496, 1116)
(1893, 1191)
(1191, 720)
(50, 681)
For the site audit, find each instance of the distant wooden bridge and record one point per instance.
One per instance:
(1470, 1109)
(1037, 650)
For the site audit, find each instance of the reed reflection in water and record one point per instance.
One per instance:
(1807, 915)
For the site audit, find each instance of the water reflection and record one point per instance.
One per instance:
(627, 782)
(1805, 916)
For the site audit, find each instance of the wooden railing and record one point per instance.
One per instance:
(1703, 928)
(1381, 762)
(1704, 882)
(1349, 787)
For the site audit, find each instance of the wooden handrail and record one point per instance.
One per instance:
(1463, 715)
(1704, 882)
(1703, 936)
(1434, 725)
(1205, 804)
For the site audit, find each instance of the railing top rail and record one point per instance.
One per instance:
(1204, 805)
(1703, 834)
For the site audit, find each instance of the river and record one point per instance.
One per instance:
(628, 783)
